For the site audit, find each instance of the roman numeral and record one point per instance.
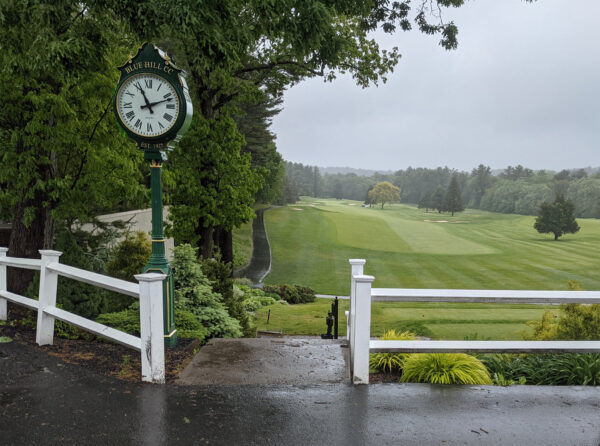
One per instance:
(130, 115)
(130, 94)
(138, 124)
(127, 105)
(167, 95)
(168, 117)
(160, 125)
(171, 106)
(148, 127)
(138, 85)
(159, 85)
(148, 83)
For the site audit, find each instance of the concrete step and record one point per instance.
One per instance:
(286, 360)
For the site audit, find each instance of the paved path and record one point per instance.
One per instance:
(296, 361)
(44, 401)
(260, 262)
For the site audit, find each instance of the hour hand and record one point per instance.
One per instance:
(145, 99)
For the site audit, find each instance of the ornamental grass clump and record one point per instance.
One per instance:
(444, 368)
(390, 362)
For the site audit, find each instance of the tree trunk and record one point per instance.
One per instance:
(26, 241)
(205, 243)
(226, 247)
(556, 236)
(224, 240)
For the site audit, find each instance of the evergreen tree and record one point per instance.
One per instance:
(438, 200)
(453, 200)
(557, 218)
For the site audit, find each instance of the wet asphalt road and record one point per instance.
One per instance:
(260, 263)
(44, 401)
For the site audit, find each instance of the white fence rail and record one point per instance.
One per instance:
(359, 321)
(149, 290)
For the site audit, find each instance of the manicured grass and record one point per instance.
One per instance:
(472, 250)
(242, 245)
(444, 320)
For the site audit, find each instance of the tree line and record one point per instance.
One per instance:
(514, 190)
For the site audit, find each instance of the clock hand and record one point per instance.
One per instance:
(145, 100)
(152, 104)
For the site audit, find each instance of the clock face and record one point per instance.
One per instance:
(147, 105)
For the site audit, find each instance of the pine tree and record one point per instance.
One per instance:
(453, 198)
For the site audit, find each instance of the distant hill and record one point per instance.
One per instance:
(359, 172)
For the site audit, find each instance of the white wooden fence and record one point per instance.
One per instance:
(359, 321)
(149, 290)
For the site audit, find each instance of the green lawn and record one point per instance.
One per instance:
(444, 320)
(404, 246)
(242, 245)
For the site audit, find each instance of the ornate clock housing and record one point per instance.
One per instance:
(152, 103)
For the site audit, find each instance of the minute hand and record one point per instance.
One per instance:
(152, 104)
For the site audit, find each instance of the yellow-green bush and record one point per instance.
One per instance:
(390, 362)
(444, 368)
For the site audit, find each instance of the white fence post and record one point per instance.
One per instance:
(44, 334)
(357, 270)
(362, 329)
(151, 327)
(3, 306)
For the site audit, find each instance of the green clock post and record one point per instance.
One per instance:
(153, 107)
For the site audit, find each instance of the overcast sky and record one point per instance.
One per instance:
(523, 87)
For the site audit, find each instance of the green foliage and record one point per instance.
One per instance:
(453, 200)
(293, 294)
(390, 362)
(444, 368)
(219, 273)
(499, 380)
(557, 217)
(219, 196)
(62, 159)
(253, 298)
(574, 322)
(130, 256)
(128, 320)
(384, 192)
(194, 293)
(549, 370)
(84, 251)
(545, 329)
(579, 322)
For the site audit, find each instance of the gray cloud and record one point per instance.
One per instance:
(522, 88)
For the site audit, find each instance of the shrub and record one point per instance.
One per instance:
(188, 325)
(294, 294)
(253, 298)
(444, 368)
(130, 256)
(390, 362)
(554, 369)
(127, 320)
(194, 293)
(81, 250)
(575, 321)
(219, 274)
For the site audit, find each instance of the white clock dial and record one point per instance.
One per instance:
(147, 105)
